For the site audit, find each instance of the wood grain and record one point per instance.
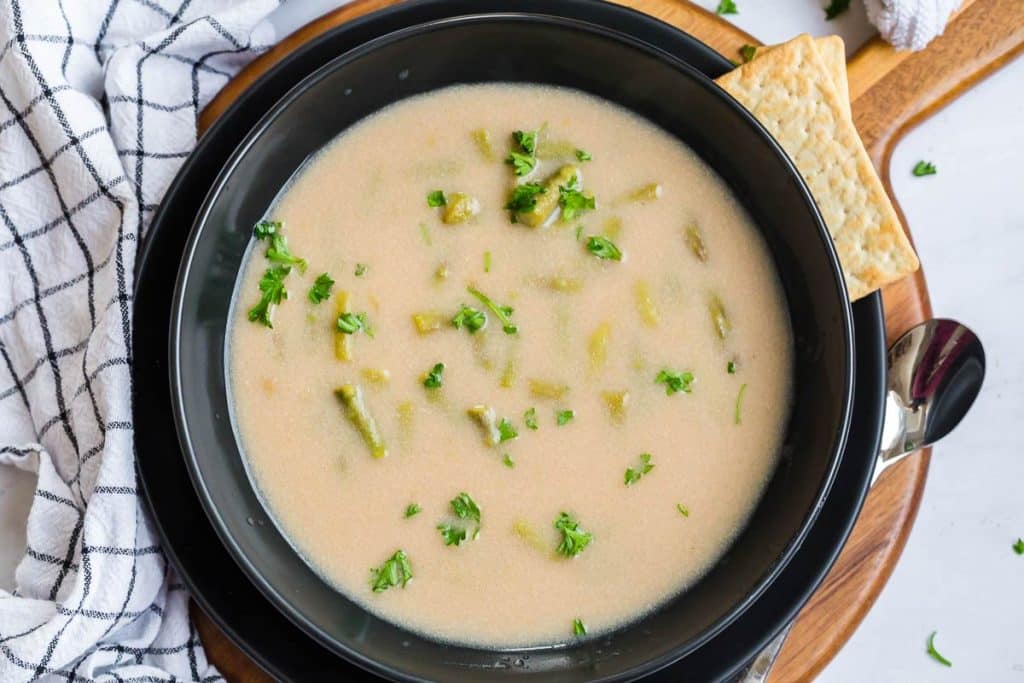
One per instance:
(891, 92)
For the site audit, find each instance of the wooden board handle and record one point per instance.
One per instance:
(894, 91)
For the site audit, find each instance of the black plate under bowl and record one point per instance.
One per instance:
(206, 568)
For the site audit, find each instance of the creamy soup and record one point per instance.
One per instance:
(534, 374)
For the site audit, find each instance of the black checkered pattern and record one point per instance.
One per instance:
(98, 105)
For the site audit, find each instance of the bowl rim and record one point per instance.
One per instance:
(223, 529)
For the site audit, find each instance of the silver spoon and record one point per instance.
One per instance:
(935, 372)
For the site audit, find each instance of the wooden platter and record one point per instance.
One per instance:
(891, 92)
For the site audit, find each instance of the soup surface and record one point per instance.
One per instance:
(498, 429)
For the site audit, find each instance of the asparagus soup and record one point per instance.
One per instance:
(509, 365)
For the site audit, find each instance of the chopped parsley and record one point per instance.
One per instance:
(265, 229)
(464, 508)
(470, 318)
(748, 52)
(436, 199)
(579, 232)
(452, 535)
(504, 313)
(432, 380)
(574, 539)
(524, 198)
(278, 251)
(835, 8)
(273, 293)
(530, 418)
(509, 462)
(583, 156)
(674, 381)
(563, 417)
(573, 201)
(487, 261)
(633, 475)
(603, 248)
(739, 404)
(934, 654)
(923, 168)
(321, 289)
(350, 323)
(396, 571)
(730, 367)
(527, 141)
(506, 431)
(726, 7)
(361, 269)
(578, 627)
(522, 164)
(683, 510)
(412, 510)
(1018, 547)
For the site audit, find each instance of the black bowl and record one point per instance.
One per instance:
(528, 48)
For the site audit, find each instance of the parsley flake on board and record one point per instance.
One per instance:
(321, 289)
(634, 475)
(574, 539)
(396, 571)
(578, 627)
(934, 654)
(923, 168)
(583, 156)
(683, 510)
(273, 293)
(726, 7)
(564, 417)
(530, 418)
(674, 381)
(412, 510)
(506, 431)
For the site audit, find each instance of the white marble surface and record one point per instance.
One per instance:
(958, 574)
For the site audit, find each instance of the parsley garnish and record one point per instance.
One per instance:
(522, 164)
(361, 269)
(923, 168)
(730, 367)
(278, 251)
(265, 229)
(527, 141)
(436, 199)
(1018, 547)
(396, 571)
(633, 476)
(726, 7)
(683, 510)
(835, 8)
(524, 198)
(739, 403)
(530, 418)
(603, 248)
(504, 313)
(452, 535)
(748, 52)
(509, 462)
(674, 381)
(412, 510)
(433, 378)
(583, 156)
(470, 318)
(321, 289)
(563, 417)
(574, 539)
(578, 627)
(350, 323)
(272, 287)
(506, 431)
(935, 653)
(572, 201)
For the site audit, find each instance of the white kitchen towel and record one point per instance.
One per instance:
(910, 24)
(98, 106)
